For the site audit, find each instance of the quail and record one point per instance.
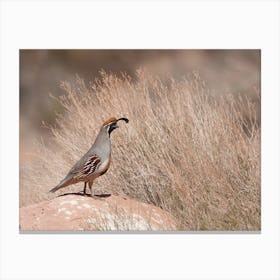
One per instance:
(95, 162)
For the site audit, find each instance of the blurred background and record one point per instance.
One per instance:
(41, 71)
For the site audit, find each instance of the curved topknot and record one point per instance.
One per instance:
(112, 119)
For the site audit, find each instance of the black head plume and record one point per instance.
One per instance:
(123, 119)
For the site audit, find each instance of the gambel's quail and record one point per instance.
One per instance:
(95, 162)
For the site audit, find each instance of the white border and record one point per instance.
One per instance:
(155, 24)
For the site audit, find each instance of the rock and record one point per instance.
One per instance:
(77, 212)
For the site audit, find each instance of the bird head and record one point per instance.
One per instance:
(112, 123)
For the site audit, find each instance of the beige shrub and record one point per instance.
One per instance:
(186, 150)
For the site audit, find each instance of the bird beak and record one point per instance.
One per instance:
(123, 119)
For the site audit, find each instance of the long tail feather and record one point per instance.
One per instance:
(55, 189)
(64, 183)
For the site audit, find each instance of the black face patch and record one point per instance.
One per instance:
(112, 127)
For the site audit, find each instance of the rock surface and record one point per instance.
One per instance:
(80, 213)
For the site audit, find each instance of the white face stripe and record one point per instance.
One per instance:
(108, 126)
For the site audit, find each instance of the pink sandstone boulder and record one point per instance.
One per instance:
(80, 213)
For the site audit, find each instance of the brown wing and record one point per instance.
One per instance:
(89, 167)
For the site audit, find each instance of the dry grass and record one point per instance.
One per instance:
(185, 150)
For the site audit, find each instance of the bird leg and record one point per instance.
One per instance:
(85, 188)
(92, 192)
(90, 185)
